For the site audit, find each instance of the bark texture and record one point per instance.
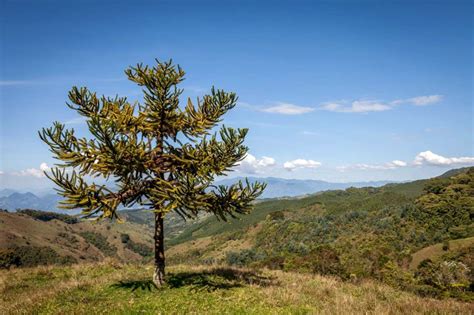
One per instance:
(159, 274)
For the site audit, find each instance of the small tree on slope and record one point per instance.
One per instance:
(158, 154)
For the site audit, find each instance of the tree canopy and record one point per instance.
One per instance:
(158, 153)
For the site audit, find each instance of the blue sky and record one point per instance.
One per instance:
(333, 90)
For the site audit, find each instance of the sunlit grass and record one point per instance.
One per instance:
(126, 289)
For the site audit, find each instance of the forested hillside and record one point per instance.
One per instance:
(353, 234)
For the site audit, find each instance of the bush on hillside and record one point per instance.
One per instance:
(444, 275)
(8, 258)
(141, 249)
(397, 277)
(125, 238)
(48, 216)
(277, 215)
(100, 242)
(322, 260)
(242, 258)
(30, 256)
(444, 279)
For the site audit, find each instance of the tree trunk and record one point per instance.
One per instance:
(159, 274)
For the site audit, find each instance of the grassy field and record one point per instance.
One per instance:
(109, 287)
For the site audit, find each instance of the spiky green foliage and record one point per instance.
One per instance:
(159, 154)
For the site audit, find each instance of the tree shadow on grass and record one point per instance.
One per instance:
(133, 285)
(208, 280)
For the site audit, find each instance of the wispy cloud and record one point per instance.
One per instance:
(356, 106)
(287, 109)
(420, 100)
(386, 166)
(301, 163)
(75, 121)
(35, 172)
(366, 106)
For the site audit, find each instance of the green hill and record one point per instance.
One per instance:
(357, 233)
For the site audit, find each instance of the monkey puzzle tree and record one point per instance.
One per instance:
(159, 155)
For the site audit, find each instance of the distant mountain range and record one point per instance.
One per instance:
(276, 187)
(280, 187)
(12, 200)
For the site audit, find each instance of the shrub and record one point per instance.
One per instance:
(275, 216)
(242, 258)
(446, 245)
(322, 260)
(69, 237)
(141, 249)
(445, 275)
(100, 242)
(8, 258)
(273, 262)
(48, 216)
(30, 256)
(125, 238)
(397, 277)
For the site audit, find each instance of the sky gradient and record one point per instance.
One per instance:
(339, 91)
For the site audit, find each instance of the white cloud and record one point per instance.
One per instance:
(287, 109)
(30, 172)
(368, 106)
(365, 106)
(301, 163)
(422, 158)
(251, 165)
(356, 106)
(399, 163)
(333, 107)
(421, 100)
(44, 167)
(1, 173)
(362, 166)
(33, 171)
(430, 158)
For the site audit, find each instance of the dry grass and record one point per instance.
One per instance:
(109, 287)
(326, 295)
